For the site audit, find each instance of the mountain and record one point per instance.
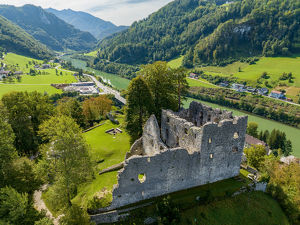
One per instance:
(86, 22)
(47, 28)
(209, 32)
(14, 39)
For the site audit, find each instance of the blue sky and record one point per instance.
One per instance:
(120, 12)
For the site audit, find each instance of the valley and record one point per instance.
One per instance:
(190, 115)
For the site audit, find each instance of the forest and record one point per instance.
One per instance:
(13, 38)
(208, 32)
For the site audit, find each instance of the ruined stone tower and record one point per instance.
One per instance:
(196, 146)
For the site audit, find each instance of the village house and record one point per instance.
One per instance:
(263, 91)
(238, 87)
(223, 84)
(251, 89)
(277, 94)
(193, 76)
(45, 66)
(250, 141)
(18, 73)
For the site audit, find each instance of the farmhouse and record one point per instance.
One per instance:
(263, 91)
(250, 140)
(277, 94)
(238, 87)
(192, 147)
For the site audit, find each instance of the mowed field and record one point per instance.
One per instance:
(107, 149)
(292, 133)
(41, 83)
(274, 66)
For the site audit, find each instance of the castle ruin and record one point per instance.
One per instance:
(193, 147)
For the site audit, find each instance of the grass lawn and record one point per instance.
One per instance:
(200, 83)
(50, 78)
(40, 83)
(111, 149)
(292, 133)
(21, 61)
(175, 63)
(247, 208)
(6, 88)
(274, 66)
(93, 53)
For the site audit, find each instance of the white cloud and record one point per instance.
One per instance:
(120, 12)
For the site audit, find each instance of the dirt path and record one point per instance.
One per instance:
(40, 205)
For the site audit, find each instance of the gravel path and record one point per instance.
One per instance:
(40, 205)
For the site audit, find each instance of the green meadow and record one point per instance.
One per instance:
(175, 63)
(107, 149)
(200, 83)
(292, 133)
(93, 53)
(41, 83)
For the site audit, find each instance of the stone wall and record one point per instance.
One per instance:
(196, 146)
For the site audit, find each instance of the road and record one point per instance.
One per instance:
(107, 90)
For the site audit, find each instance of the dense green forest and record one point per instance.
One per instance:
(14, 39)
(47, 28)
(209, 32)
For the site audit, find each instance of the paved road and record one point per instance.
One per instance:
(107, 90)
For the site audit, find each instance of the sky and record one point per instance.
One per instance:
(120, 12)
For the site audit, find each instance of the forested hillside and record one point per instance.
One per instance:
(86, 22)
(14, 39)
(209, 32)
(47, 28)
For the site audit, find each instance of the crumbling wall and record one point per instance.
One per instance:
(201, 155)
(199, 114)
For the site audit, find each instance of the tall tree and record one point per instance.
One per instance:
(72, 108)
(252, 129)
(181, 84)
(139, 107)
(26, 111)
(68, 155)
(158, 77)
(255, 155)
(16, 208)
(7, 149)
(94, 108)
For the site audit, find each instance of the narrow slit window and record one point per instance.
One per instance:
(209, 140)
(235, 149)
(211, 156)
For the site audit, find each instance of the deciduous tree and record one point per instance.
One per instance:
(67, 154)
(139, 107)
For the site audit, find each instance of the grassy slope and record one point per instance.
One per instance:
(93, 53)
(264, 124)
(248, 208)
(112, 150)
(274, 66)
(200, 83)
(175, 63)
(40, 83)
